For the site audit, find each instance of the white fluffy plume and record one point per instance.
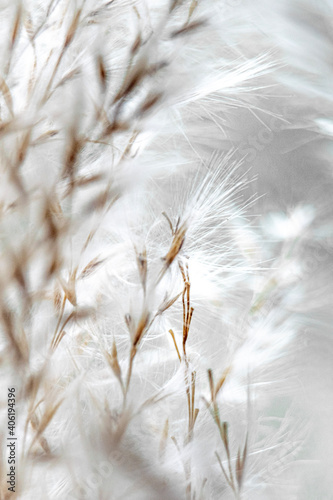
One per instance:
(166, 249)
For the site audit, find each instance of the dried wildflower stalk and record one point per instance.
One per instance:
(189, 375)
(234, 479)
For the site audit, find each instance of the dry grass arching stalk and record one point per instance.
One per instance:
(57, 227)
(137, 332)
(189, 375)
(234, 477)
(146, 319)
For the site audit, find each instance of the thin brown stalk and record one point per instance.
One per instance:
(175, 343)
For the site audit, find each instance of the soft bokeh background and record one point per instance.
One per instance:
(86, 174)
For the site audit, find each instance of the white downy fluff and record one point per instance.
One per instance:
(166, 249)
